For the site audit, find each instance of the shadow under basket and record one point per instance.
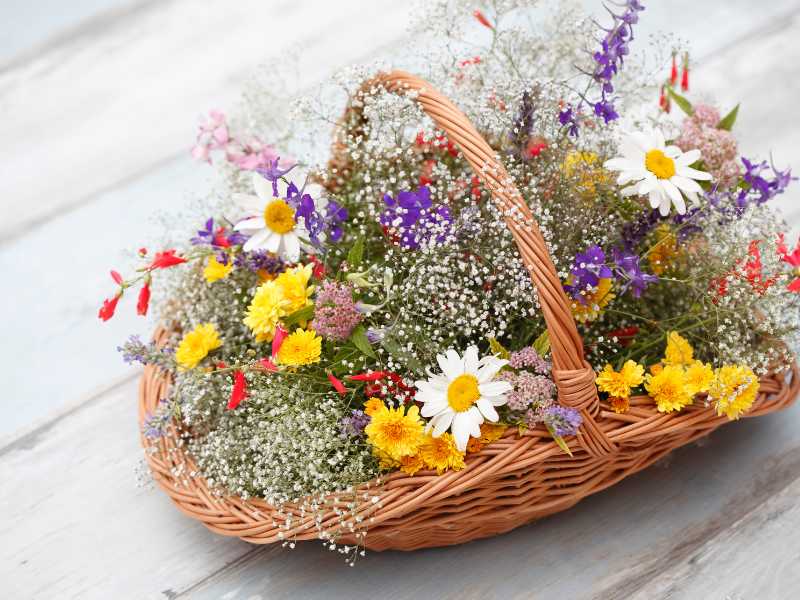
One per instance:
(509, 483)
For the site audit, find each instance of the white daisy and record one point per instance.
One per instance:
(658, 171)
(464, 395)
(275, 228)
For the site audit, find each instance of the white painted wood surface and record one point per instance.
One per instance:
(96, 125)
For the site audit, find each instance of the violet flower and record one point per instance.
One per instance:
(629, 272)
(587, 270)
(260, 260)
(320, 219)
(414, 219)
(761, 189)
(562, 421)
(273, 172)
(353, 425)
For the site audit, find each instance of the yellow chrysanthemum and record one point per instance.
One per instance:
(373, 405)
(294, 285)
(595, 300)
(734, 390)
(620, 405)
(196, 345)
(656, 368)
(584, 167)
(442, 453)
(663, 254)
(699, 377)
(490, 432)
(265, 311)
(668, 389)
(679, 351)
(395, 432)
(385, 462)
(411, 464)
(300, 348)
(215, 270)
(619, 384)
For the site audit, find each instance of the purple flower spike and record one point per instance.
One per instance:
(563, 421)
(629, 272)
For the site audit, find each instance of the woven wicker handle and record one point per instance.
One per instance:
(573, 376)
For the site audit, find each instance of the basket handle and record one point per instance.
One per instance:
(573, 376)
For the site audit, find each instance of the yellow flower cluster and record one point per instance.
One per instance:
(278, 298)
(399, 440)
(300, 348)
(195, 345)
(674, 383)
(585, 167)
(618, 384)
(663, 254)
(215, 270)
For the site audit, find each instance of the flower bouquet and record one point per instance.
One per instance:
(469, 314)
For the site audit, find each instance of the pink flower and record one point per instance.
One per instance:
(277, 340)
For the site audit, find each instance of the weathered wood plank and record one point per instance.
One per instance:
(755, 557)
(75, 525)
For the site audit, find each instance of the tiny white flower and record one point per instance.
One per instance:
(464, 395)
(658, 171)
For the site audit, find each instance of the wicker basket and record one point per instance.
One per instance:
(510, 482)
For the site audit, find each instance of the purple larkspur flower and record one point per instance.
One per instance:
(761, 189)
(628, 271)
(322, 221)
(219, 238)
(562, 420)
(587, 270)
(353, 425)
(273, 172)
(608, 61)
(415, 220)
(335, 313)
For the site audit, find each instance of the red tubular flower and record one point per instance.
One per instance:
(753, 270)
(319, 267)
(685, 76)
(673, 76)
(109, 306)
(268, 365)
(280, 335)
(164, 260)
(239, 391)
(116, 277)
(144, 299)
(375, 376)
(142, 251)
(793, 259)
(220, 239)
(624, 335)
(663, 101)
(337, 384)
(481, 18)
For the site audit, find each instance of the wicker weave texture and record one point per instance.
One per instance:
(509, 483)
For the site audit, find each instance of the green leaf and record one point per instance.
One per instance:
(542, 344)
(356, 254)
(682, 102)
(498, 348)
(298, 316)
(361, 341)
(560, 441)
(728, 120)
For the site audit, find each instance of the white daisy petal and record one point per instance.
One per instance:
(471, 360)
(687, 158)
(461, 427)
(292, 243)
(256, 241)
(487, 410)
(686, 185)
(494, 388)
(432, 407)
(251, 205)
(693, 173)
(655, 197)
(263, 187)
(251, 224)
(442, 423)
(273, 243)
(675, 194)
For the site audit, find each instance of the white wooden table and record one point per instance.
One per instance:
(98, 105)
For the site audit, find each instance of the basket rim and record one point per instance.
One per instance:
(399, 494)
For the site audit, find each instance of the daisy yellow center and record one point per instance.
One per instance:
(279, 216)
(463, 392)
(659, 164)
